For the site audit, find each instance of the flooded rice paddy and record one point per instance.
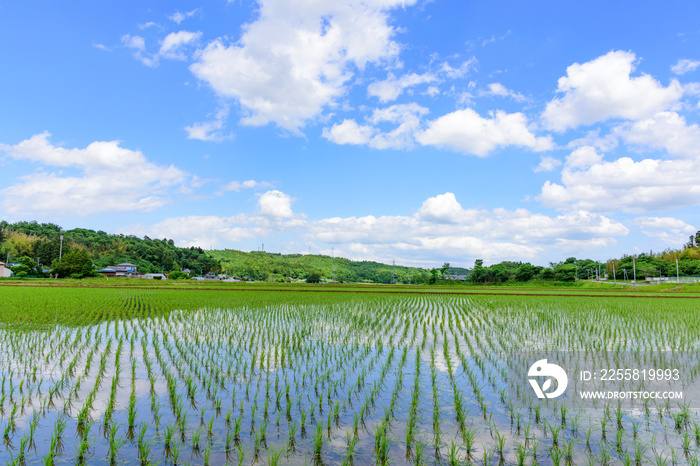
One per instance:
(215, 377)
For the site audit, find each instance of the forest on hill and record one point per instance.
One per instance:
(36, 246)
(260, 265)
(40, 245)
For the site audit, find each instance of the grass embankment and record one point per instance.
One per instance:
(532, 288)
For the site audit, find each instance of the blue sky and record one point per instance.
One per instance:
(415, 131)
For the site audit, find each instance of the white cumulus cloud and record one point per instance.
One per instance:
(589, 182)
(602, 89)
(106, 178)
(685, 65)
(547, 164)
(248, 184)
(204, 230)
(498, 89)
(295, 59)
(209, 130)
(404, 118)
(349, 132)
(178, 17)
(275, 204)
(392, 87)
(273, 215)
(468, 132)
(138, 45)
(171, 46)
(668, 229)
(664, 130)
(442, 228)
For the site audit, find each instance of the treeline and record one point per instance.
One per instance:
(523, 272)
(669, 263)
(661, 264)
(38, 245)
(266, 266)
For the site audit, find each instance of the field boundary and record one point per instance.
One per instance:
(356, 291)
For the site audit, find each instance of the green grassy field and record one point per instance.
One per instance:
(579, 288)
(209, 373)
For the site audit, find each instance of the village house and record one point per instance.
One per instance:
(124, 269)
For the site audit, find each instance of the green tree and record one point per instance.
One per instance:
(565, 272)
(74, 264)
(499, 273)
(433, 276)
(525, 272)
(444, 268)
(479, 273)
(27, 267)
(314, 277)
(21, 270)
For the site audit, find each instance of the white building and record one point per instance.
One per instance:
(4, 270)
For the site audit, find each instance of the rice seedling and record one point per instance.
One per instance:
(207, 455)
(569, 450)
(639, 453)
(453, 454)
(521, 454)
(325, 361)
(318, 439)
(274, 456)
(145, 448)
(82, 450)
(500, 443)
(196, 436)
(174, 450)
(240, 453)
(556, 455)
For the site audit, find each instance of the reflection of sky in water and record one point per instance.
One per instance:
(324, 349)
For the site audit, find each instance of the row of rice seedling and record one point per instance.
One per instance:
(208, 377)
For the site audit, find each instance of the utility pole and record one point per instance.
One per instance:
(393, 273)
(678, 276)
(60, 249)
(614, 276)
(634, 268)
(333, 261)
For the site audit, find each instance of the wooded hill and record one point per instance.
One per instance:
(277, 267)
(37, 245)
(40, 243)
